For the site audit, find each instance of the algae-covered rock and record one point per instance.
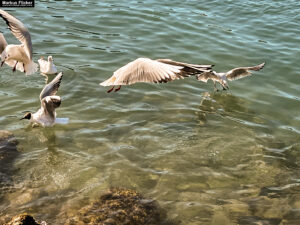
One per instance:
(8, 153)
(23, 219)
(120, 206)
(8, 148)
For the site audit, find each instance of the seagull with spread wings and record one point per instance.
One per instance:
(153, 71)
(223, 78)
(18, 56)
(46, 115)
(9, 62)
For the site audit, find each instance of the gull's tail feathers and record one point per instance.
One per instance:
(61, 120)
(108, 82)
(31, 68)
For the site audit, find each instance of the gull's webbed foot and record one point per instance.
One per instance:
(118, 88)
(110, 90)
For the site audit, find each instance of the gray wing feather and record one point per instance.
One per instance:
(175, 63)
(242, 72)
(51, 88)
(3, 43)
(19, 31)
(49, 104)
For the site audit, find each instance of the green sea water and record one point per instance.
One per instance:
(207, 157)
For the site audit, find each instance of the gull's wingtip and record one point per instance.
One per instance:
(261, 66)
(258, 67)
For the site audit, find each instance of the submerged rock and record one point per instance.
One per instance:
(120, 206)
(23, 219)
(8, 148)
(8, 152)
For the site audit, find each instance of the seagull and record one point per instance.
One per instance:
(10, 62)
(46, 115)
(47, 67)
(18, 56)
(223, 78)
(153, 71)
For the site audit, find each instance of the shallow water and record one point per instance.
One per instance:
(208, 158)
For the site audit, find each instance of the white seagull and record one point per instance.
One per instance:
(46, 115)
(47, 67)
(18, 56)
(223, 78)
(153, 71)
(9, 62)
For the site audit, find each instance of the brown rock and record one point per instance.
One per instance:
(120, 206)
(22, 219)
(8, 147)
(8, 153)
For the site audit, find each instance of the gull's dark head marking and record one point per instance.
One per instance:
(27, 116)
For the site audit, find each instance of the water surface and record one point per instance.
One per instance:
(206, 157)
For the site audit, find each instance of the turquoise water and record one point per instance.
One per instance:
(206, 157)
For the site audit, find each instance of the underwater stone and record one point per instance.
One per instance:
(8, 153)
(120, 206)
(8, 147)
(23, 219)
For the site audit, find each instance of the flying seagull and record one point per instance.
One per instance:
(153, 71)
(9, 62)
(223, 78)
(46, 115)
(19, 55)
(47, 67)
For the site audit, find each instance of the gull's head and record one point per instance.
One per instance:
(27, 116)
(50, 59)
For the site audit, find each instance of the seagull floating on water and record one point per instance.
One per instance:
(153, 71)
(18, 56)
(223, 78)
(47, 67)
(46, 115)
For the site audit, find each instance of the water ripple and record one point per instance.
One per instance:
(205, 156)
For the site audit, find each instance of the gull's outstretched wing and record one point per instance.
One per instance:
(51, 88)
(19, 31)
(241, 72)
(50, 103)
(150, 71)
